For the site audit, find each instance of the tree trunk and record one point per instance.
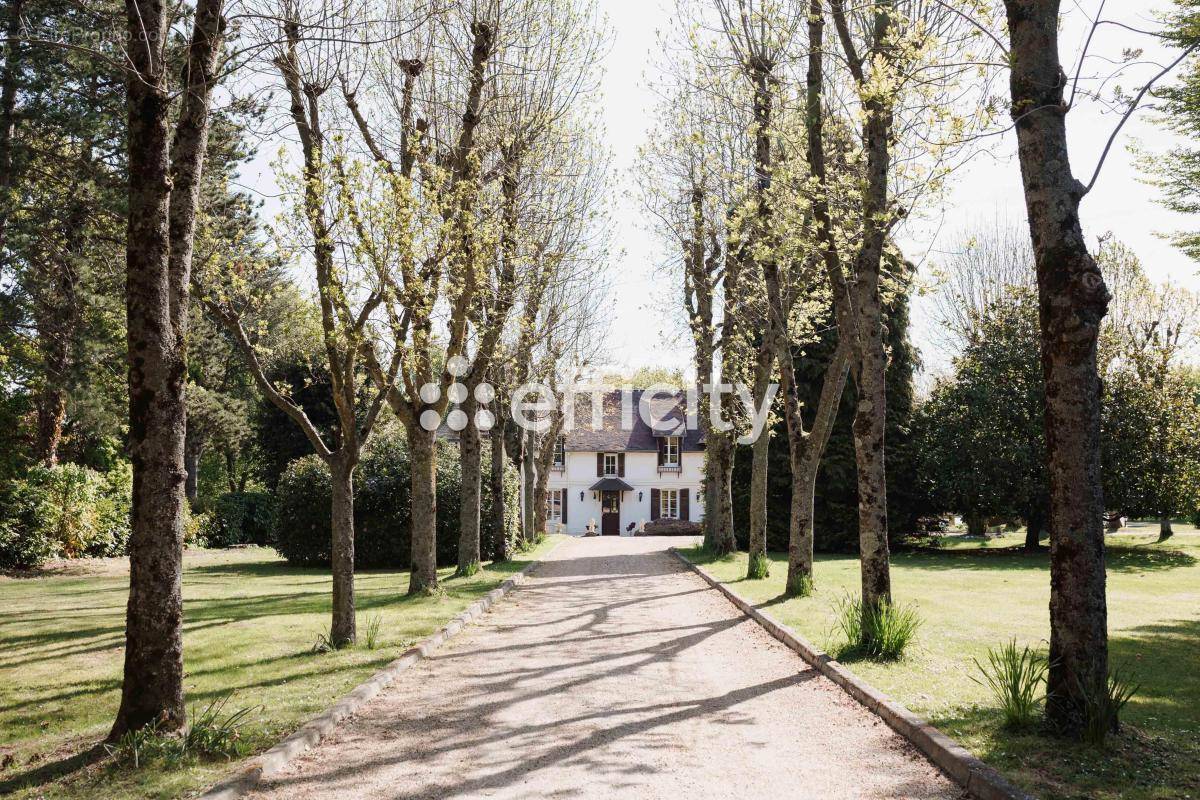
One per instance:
(1072, 302)
(1035, 523)
(724, 541)
(1165, 531)
(761, 450)
(528, 487)
(51, 414)
(806, 452)
(870, 422)
(342, 630)
(471, 454)
(422, 450)
(191, 464)
(8, 103)
(498, 510)
(157, 276)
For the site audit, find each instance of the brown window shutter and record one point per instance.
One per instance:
(685, 513)
(599, 465)
(620, 465)
(662, 451)
(564, 506)
(654, 503)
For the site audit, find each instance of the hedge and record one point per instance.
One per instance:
(382, 507)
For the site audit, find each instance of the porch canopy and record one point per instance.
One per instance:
(611, 484)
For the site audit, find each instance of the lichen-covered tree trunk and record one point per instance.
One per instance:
(805, 453)
(1072, 302)
(342, 629)
(760, 454)
(870, 423)
(153, 686)
(51, 405)
(498, 510)
(528, 487)
(192, 451)
(422, 450)
(471, 456)
(721, 451)
(164, 180)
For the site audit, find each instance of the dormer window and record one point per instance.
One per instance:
(668, 454)
(671, 451)
(610, 463)
(560, 452)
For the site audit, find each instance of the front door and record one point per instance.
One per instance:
(610, 513)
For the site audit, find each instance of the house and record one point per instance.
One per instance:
(611, 470)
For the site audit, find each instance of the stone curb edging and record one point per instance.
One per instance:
(980, 781)
(312, 732)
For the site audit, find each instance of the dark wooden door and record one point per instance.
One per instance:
(610, 513)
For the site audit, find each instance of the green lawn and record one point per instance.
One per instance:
(973, 596)
(250, 624)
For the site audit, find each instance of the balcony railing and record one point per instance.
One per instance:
(558, 467)
(670, 469)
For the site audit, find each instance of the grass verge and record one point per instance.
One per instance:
(973, 597)
(250, 623)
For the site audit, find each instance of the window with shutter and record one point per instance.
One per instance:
(599, 465)
(620, 465)
(653, 504)
(685, 510)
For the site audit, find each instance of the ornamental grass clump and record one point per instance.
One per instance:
(1015, 677)
(880, 632)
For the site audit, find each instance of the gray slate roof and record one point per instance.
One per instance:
(611, 438)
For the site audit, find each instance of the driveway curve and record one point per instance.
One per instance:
(612, 672)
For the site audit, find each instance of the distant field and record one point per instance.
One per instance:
(974, 595)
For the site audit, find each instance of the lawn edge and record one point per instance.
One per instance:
(310, 734)
(967, 770)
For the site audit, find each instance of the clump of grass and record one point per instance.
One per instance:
(759, 567)
(326, 643)
(211, 734)
(1014, 675)
(468, 571)
(372, 628)
(880, 632)
(1102, 704)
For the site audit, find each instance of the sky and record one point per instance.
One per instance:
(646, 323)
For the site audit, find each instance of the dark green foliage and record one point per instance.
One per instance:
(241, 518)
(980, 441)
(382, 507)
(836, 525)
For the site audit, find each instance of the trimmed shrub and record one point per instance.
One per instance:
(382, 507)
(68, 511)
(241, 518)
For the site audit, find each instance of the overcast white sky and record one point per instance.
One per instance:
(646, 322)
(643, 333)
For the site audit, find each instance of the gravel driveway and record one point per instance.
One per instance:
(613, 672)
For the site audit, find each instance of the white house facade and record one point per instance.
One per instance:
(616, 478)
